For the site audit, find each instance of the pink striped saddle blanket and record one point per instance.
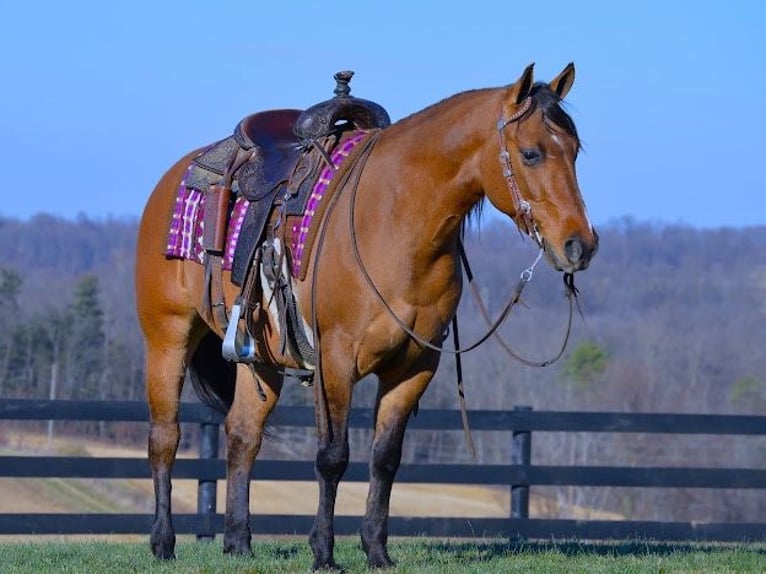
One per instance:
(187, 222)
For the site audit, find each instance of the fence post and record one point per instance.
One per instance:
(206, 489)
(521, 455)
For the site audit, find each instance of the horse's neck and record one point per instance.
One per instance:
(440, 154)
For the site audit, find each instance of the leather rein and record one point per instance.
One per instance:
(524, 212)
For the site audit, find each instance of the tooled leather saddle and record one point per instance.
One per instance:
(273, 159)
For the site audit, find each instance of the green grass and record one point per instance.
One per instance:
(412, 556)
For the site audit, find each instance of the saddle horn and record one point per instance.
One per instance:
(320, 120)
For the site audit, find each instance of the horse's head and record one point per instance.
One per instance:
(535, 181)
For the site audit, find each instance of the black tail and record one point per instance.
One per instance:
(211, 375)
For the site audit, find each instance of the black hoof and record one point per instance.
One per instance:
(163, 552)
(163, 545)
(322, 566)
(237, 545)
(380, 561)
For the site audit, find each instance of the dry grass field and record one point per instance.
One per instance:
(53, 495)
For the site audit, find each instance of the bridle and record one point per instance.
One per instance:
(522, 208)
(523, 211)
(523, 214)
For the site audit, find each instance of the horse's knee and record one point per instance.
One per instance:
(164, 432)
(332, 460)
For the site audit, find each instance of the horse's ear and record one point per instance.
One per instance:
(560, 84)
(520, 89)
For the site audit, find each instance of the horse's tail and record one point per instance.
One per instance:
(212, 376)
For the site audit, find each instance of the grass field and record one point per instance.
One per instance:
(128, 554)
(412, 556)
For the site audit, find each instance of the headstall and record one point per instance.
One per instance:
(521, 205)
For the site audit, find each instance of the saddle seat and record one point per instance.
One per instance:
(274, 149)
(266, 146)
(272, 128)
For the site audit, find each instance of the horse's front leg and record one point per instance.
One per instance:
(244, 432)
(333, 401)
(396, 401)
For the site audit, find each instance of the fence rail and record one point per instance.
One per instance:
(518, 476)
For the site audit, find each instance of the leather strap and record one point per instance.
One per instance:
(461, 391)
(214, 303)
(522, 208)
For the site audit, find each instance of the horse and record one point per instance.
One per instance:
(382, 286)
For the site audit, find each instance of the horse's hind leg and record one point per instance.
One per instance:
(244, 432)
(396, 401)
(164, 378)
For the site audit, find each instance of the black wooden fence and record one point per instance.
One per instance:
(518, 476)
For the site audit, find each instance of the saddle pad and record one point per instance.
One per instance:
(304, 230)
(188, 223)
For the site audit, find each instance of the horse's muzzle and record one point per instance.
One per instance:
(579, 252)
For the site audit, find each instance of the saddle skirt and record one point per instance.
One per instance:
(187, 224)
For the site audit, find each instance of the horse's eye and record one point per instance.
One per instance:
(531, 156)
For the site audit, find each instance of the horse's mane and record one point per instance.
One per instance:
(550, 104)
(542, 96)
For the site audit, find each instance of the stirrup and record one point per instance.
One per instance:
(238, 346)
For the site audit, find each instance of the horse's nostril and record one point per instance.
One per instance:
(573, 249)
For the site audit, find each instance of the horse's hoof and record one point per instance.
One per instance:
(380, 561)
(239, 546)
(325, 566)
(163, 546)
(164, 550)
(238, 552)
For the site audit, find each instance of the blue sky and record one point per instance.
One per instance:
(99, 99)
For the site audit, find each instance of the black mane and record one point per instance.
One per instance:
(550, 104)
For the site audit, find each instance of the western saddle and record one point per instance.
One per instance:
(272, 159)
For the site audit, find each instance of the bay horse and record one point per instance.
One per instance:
(388, 267)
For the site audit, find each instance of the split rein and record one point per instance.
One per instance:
(524, 278)
(515, 297)
(523, 209)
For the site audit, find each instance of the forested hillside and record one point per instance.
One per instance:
(673, 320)
(66, 293)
